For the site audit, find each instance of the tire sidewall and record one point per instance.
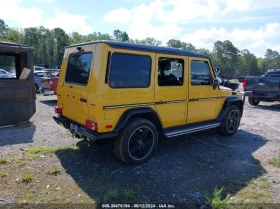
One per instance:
(224, 121)
(129, 159)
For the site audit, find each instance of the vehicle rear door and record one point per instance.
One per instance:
(74, 87)
(171, 89)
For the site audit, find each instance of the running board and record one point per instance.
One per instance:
(190, 129)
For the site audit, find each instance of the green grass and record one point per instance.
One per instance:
(4, 173)
(128, 193)
(257, 191)
(26, 177)
(216, 201)
(33, 151)
(275, 161)
(112, 194)
(3, 160)
(43, 150)
(54, 170)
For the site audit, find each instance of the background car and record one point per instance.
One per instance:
(37, 78)
(5, 74)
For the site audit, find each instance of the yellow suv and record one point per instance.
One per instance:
(136, 93)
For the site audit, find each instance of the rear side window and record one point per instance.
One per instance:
(78, 68)
(200, 73)
(129, 71)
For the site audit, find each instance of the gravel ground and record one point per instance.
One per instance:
(183, 170)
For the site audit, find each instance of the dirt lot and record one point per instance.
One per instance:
(41, 162)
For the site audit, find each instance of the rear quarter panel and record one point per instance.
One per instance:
(105, 102)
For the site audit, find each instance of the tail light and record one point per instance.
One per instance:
(51, 84)
(58, 110)
(244, 84)
(92, 125)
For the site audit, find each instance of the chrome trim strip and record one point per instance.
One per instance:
(191, 130)
(210, 98)
(175, 101)
(128, 105)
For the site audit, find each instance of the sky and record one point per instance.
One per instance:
(248, 24)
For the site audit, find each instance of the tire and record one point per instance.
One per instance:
(253, 101)
(130, 144)
(230, 122)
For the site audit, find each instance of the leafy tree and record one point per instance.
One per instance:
(248, 63)
(270, 54)
(174, 43)
(14, 36)
(226, 55)
(120, 36)
(3, 28)
(62, 40)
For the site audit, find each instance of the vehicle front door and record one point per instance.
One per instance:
(202, 97)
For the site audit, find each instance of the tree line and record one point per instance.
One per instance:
(49, 48)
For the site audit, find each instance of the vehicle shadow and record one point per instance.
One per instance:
(182, 170)
(273, 107)
(51, 102)
(21, 134)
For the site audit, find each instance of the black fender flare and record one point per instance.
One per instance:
(228, 102)
(147, 113)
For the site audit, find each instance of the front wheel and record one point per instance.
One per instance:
(253, 101)
(137, 141)
(230, 121)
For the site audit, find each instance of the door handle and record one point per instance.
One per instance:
(83, 100)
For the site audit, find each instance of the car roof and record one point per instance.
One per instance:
(146, 48)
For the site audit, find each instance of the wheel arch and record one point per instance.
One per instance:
(147, 113)
(228, 102)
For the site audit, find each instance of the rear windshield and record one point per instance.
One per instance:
(273, 74)
(78, 68)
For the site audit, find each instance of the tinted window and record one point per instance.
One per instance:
(273, 74)
(200, 73)
(170, 72)
(78, 68)
(129, 71)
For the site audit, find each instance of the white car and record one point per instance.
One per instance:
(5, 74)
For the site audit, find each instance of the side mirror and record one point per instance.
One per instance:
(217, 82)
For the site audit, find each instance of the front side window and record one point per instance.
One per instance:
(78, 68)
(129, 71)
(200, 73)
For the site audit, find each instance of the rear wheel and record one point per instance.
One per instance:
(253, 101)
(137, 141)
(230, 121)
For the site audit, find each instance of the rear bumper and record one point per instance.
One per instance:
(264, 95)
(46, 91)
(82, 130)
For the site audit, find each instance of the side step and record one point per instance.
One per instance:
(190, 129)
